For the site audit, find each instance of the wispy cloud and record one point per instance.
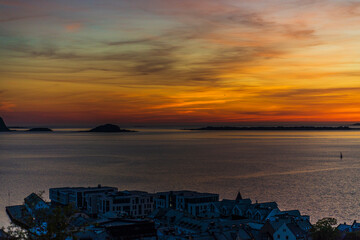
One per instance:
(181, 60)
(7, 106)
(14, 18)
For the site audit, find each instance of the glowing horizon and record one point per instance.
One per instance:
(153, 61)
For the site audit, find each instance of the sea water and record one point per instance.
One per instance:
(297, 169)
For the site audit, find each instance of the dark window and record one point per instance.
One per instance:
(107, 206)
(79, 199)
(121, 200)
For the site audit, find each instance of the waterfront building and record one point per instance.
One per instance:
(92, 203)
(227, 208)
(33, 203)
(126, 203)
(290, 231)
(191, 202)
(274, 223)
(175, 224)
(243, 209)
(343, 227)
(346, 228)
(106, 213)
(261, 211)
(77, 195)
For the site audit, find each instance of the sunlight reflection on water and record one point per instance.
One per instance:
(299, 170)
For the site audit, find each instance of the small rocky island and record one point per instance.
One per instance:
(40, 130)
(3, 127)
(109, 128)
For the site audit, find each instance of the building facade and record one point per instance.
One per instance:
(191, 202)
(126, 203)
(77, 196)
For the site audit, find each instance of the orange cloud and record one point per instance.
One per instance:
(73, 27)
(7, 106)
(183, 61)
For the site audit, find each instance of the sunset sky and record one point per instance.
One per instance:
(179, 61)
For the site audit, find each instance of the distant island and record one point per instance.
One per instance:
(109, 128)
(3, 127)
(40, 130)
(278, 128)
(356, 124)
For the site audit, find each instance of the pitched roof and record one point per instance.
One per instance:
(295, 213)
(33, 199)
(344, 227)
(269, 205)
(305, 225)
(355, 225)
(79, 220)
(243, 234)
(243, 204)
(296, 230)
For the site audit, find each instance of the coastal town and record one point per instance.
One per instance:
(179, 119)
(102, 212)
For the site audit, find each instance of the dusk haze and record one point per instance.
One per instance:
(154, 61)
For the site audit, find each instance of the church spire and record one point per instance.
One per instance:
(238, 196)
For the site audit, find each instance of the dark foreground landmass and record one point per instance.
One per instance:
(3, 127)
(40, 130)
(279, 128)
(109, 128)
(157, 218)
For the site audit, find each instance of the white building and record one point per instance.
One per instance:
(191, 202)
(290, 231)
(226, 208)
(76, 195)
(129, 203)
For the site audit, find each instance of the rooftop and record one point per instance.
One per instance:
(82, 188)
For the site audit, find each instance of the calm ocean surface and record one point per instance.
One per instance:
(298, 169)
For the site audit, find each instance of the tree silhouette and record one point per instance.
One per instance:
(324, 230)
